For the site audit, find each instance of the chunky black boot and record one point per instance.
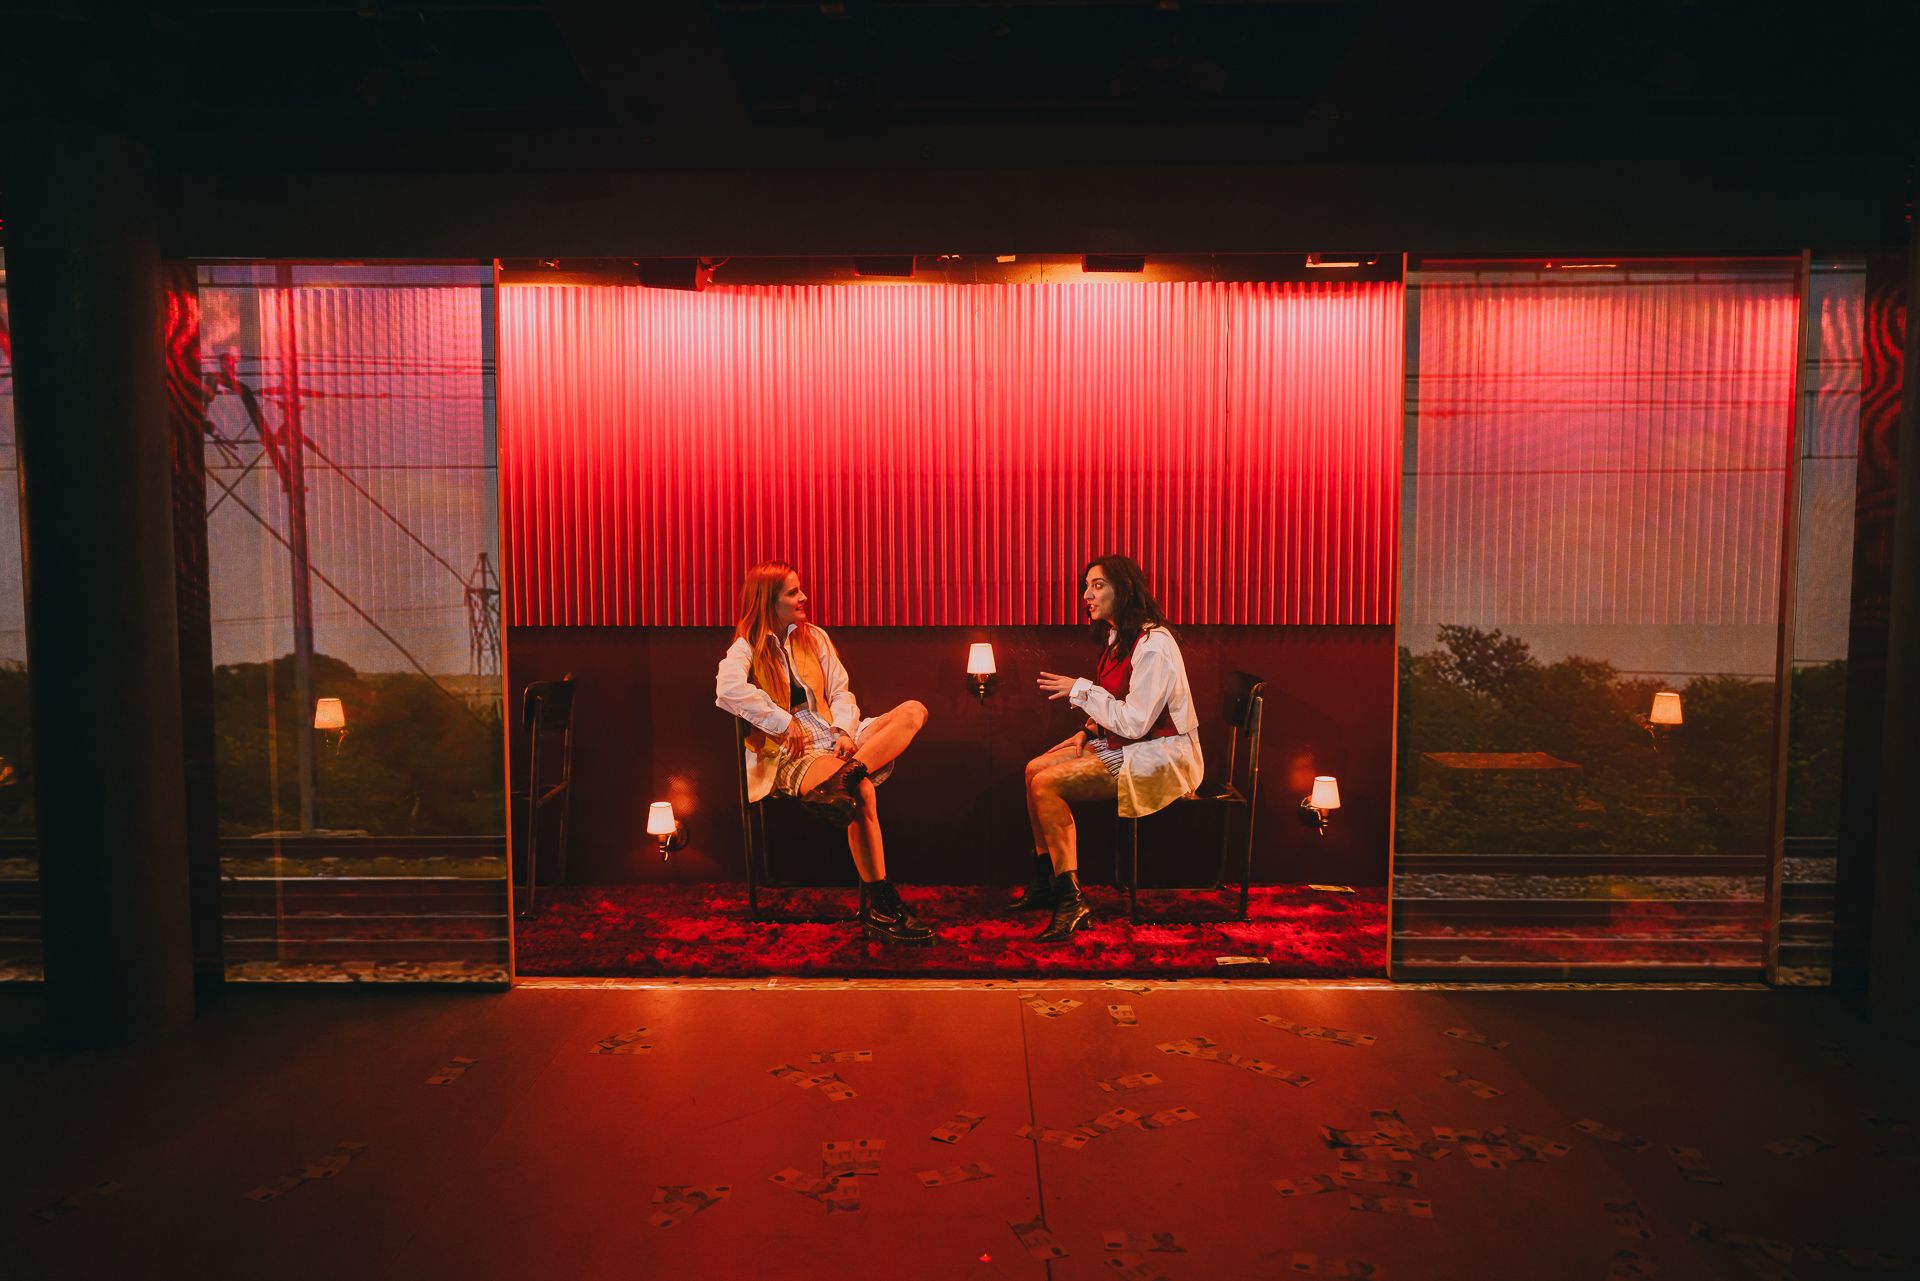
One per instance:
(1039, 890)
(1071, 911)
(836, 801)
(883, 916)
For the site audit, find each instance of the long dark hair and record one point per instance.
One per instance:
(1134, 608)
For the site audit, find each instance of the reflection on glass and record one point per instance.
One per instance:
(19, 866)
(347, 415)
(1593, 509)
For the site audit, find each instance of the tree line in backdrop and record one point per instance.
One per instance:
(1699, 787)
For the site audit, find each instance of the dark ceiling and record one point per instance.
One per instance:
(730, 84)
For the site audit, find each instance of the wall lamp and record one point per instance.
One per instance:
(329, 714)
(1665, 711)
(671, 831)
(1320, 803)
(981, 677)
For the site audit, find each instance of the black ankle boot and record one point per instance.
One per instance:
(1071, 911)
(883, 916)
(1039, 890)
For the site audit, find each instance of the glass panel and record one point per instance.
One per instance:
(352, 537)
(1816, 729)
(19, 866)
(1592, 518)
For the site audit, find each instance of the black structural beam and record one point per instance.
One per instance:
(84, 292)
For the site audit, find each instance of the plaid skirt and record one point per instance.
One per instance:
(790, 771)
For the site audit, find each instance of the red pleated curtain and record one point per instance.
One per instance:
(1605, 449)
(951, 454)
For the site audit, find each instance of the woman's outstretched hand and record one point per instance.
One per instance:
(1056, 686)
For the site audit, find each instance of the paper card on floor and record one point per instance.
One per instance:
(949, 1175)
(1123, 1016)
(674, 1204)
(1274, 1072)
(1038, 1241)
(1315, 1265)
(1607, 1134)
(275, 1187)
(1190, 1047)
(1312, 1185)
(794, 1076)
(799, 1181)
(1799, 1146)
(1389, 1205)
(836, 1090)
(841, 1056)
(1051, 1009)
(1628, 1220)
(1144, 1242)
(1478, 1088)
(1166, 1117)
(1131, 1081)
(959, 1127)
(1779, 1251)
(1132, 1267)
(1362, 1172)
(1072, 1140)
(1855, 1257)
(1476, 1038)
(1107, 1122)
(1629, 1264)
(622, 1043)
(1376, 1155)
(851, 1156)
(1693, 1164)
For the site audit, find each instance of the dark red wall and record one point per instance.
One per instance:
(646, 728)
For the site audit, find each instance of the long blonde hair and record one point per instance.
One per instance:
(757, 625)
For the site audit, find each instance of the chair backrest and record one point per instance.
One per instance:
(547, 705)
(1243, 704)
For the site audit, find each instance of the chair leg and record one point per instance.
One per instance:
(533, 819)
(1133, 877)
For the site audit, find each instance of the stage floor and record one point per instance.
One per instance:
(542, 1158)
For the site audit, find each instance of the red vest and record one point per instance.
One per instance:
(1114, 675)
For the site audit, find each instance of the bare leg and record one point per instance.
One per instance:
(890, 733)
(863, 836)
(1082, 778)
(1034, 766)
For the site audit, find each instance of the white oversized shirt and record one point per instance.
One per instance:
(735, 692)
(1154, 772)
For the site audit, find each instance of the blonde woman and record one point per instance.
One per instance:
(783, 676)
(1140, 746)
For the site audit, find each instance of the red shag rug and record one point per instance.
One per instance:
(703, 930)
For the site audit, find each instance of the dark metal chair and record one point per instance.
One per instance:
(1244, 703)
(753, 835)
(546, 713)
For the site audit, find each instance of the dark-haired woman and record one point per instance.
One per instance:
(1140, 746)
(783, 676)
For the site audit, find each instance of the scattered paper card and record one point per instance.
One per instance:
(1800, 1145)
(1123, 1016)
(1389, 1205)
(1072, 1140)
(1477, 1038)
(841, 1056)
(1312, 1185)
(1627, 1265)
(1130, 1082)
(1144, 1242)
(851, 1156)
(1051, 1009)
(1038, 1240)
(1629, 1220)
(452, 1072)
(958, 1128)
(1315, 1265)
(952, 1174)
(1364, 1172)
(622, 1043)
(1693, 1164)
(1131, 1267)
(1339, 1036)
(1607, 1134)
(1169, 1116)
(674, 1204)
(1478, 1088)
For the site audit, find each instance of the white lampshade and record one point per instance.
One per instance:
(1666, 708)
(660, 820)
(1326, 792)
(329, 714)
(980, 659)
